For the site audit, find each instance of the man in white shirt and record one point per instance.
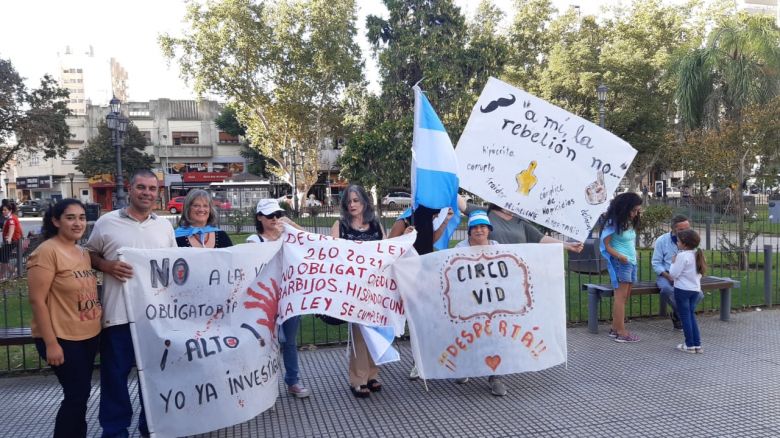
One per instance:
(135, 226)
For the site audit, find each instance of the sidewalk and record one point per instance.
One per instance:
(646, 389)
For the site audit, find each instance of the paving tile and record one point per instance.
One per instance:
(606, 389)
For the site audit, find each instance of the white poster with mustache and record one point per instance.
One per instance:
(539, 161)
(485, 310)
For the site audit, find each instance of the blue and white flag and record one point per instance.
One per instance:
(379, 342)
(434, 165)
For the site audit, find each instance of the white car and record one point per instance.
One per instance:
(397, 199)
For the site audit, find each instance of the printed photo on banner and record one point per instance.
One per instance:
(204, 333)
(540, 161)
(347, 280)
(484, 311)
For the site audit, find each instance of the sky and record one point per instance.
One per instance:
(32, 32)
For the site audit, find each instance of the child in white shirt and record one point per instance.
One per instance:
(687, 268)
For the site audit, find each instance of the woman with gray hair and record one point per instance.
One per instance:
(197, 226)
(359, 222)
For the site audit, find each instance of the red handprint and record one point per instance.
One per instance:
(267, 303)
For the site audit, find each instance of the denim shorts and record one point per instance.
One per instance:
(626, 272)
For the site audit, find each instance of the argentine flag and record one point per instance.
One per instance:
(434, 165)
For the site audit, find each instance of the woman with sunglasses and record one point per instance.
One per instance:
(269, 223)
(66, 311)
(198, 223)
(359, 222)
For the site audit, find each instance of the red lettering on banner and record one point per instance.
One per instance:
(484, 330)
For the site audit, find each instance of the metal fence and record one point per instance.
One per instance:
(750, 258)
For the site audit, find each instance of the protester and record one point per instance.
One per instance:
(66, 311)
(12, 232)
(359, 222)
(618, 245)
(269, 223)
(688, 266)
(664, 249)
(424, 241)
(198, 223)
(507, 228)
(135, 226)
(479, 229)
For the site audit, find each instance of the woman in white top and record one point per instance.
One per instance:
(687, 268)
(269, 223)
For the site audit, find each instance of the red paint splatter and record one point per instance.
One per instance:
(268, 304)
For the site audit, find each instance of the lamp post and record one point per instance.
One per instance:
(118, 126)
(71, 175)
(601, 94)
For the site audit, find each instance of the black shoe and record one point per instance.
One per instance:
(676, 321)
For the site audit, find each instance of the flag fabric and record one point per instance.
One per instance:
(434, 165)
(379, 342)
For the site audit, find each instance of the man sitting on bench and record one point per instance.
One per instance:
(664, 249)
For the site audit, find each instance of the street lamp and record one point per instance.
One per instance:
(71, 175)
(601, 95)
(118, 126)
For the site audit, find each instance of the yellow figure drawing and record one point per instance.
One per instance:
(526, 180)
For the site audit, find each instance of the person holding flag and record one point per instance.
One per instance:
(434, 175)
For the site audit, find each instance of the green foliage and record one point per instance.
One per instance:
(284, 66)
(99, 156)
(35, 118)
(654, 223)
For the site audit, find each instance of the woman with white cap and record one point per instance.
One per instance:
(269, 223)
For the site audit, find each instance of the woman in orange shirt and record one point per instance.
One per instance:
(66, 311)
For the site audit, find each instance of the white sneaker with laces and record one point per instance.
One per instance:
(685, 349)
(298, 391)
(414, 374)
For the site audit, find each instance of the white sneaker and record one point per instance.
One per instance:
(414, 374)
(298, 391)
(685, 349)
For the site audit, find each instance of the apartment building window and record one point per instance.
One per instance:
(184, 137)
(35, 160)
(224, 137)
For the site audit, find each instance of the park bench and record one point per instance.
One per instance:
(597, 291)
(15, 336)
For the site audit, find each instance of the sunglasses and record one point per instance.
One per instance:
(274, 215)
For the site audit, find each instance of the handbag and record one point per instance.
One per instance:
(330, 320)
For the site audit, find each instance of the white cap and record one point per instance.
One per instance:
(268, 206)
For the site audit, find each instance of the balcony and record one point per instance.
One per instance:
(184, 151)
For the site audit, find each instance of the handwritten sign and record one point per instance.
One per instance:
(540, 161)
(208, 356)
(345, 279)
(485, 310)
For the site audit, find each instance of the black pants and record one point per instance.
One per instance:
(75, 376)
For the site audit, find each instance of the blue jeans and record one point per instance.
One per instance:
(625, 272)
(687, 300)
(289, 342)
(75, 377)
(667, 291)
(117, 359)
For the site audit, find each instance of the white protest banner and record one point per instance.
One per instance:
(204, 336)
(485, 310)
(540, 161)
(345, 279)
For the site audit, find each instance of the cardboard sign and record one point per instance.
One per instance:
(540, 161)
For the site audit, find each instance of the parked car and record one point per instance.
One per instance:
(176, 205)
(32, 208)
(397, 199)
(673, 192)
(222, 204)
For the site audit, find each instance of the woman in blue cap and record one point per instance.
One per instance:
(479, 230)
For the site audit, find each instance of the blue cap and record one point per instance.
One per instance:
(479, 217)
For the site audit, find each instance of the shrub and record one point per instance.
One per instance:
(654, 223)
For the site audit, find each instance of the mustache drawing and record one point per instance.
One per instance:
(501, 101)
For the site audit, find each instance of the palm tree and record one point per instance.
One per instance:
(739, 66)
